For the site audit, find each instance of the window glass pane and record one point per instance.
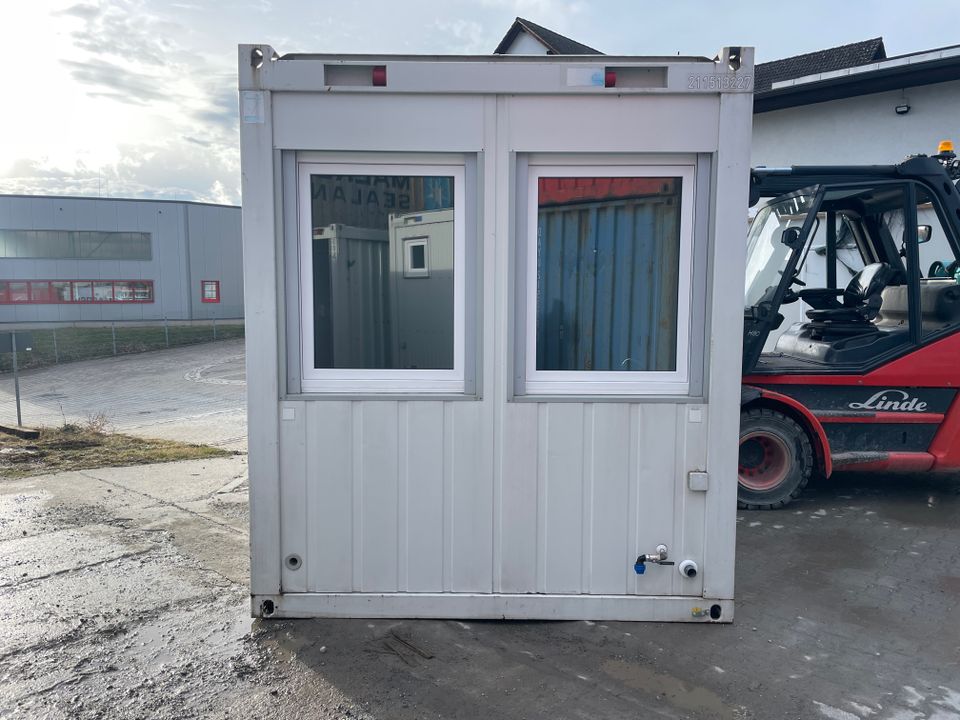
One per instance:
(82, 291)
(418, 257)
(123, 291)
(103, 291)
(368, 312)
(62, 244)
(18, 292)
(211, 290)
(936, 252)
(608, 265)
(60, 291)
(4, 286)
(142, 291)
(939, 288)
(40, 291)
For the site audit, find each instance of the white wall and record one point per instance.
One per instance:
(526, 44)
(860, 130)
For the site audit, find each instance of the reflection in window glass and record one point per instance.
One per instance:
(210, 291)
(415, 258)
(142, 291)
(939, 268)
(83, 291)
(18, 292)
(608, 265)
(103, 291)
(123, 291)
(59, 291)
(374, 304)
(936, 252)
(40, 292)
(75, 244)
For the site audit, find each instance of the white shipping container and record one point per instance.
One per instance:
(456, 404)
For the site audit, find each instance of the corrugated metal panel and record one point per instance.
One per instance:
(422, 306)
(382, 506)
(351, 270)
(607, 285)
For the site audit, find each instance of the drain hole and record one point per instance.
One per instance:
(294, 562)
(266, 608)
(715, 612)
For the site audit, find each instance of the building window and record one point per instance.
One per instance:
(83, 291)
(75, 244)
(210, 291)
(415, 258)
(18, 292)
(48, 292)
(608, 279)
(382, 277)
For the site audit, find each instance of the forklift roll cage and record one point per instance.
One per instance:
(782, 183)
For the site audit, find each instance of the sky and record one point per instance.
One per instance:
(137, 98)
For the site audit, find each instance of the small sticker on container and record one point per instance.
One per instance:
(251, 106)
(585, 77)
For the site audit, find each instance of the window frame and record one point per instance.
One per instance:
(203, 291)
(368, 381)
(409, 271)
(606, 382)
(51, 299)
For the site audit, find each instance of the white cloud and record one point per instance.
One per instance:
(125, 107)
(138, 97)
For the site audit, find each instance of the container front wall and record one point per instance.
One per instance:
(492, 504)
(405, 497)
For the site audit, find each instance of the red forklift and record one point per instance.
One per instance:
(868, 380)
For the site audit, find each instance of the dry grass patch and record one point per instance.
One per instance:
(90, 445)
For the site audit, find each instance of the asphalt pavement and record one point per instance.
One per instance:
(195, 393)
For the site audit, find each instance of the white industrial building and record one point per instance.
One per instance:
(854, 105)
(72, 259)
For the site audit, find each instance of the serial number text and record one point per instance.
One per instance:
(719, 82)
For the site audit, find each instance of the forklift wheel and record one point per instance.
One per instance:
(776, 460)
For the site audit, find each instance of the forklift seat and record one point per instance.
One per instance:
(861, 299)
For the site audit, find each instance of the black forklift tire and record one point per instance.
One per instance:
(775, 460)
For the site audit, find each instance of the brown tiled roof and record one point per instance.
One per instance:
(835, 58)
(556, 43)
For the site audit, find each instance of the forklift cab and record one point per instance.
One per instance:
(866, 377)
(882, 294)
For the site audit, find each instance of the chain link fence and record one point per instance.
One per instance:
(82, 342)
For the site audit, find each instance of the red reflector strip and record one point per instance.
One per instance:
(610, 78)
(380, 76)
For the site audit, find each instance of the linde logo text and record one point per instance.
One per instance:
(891, 400)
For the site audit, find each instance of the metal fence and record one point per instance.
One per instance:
(53, 345)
